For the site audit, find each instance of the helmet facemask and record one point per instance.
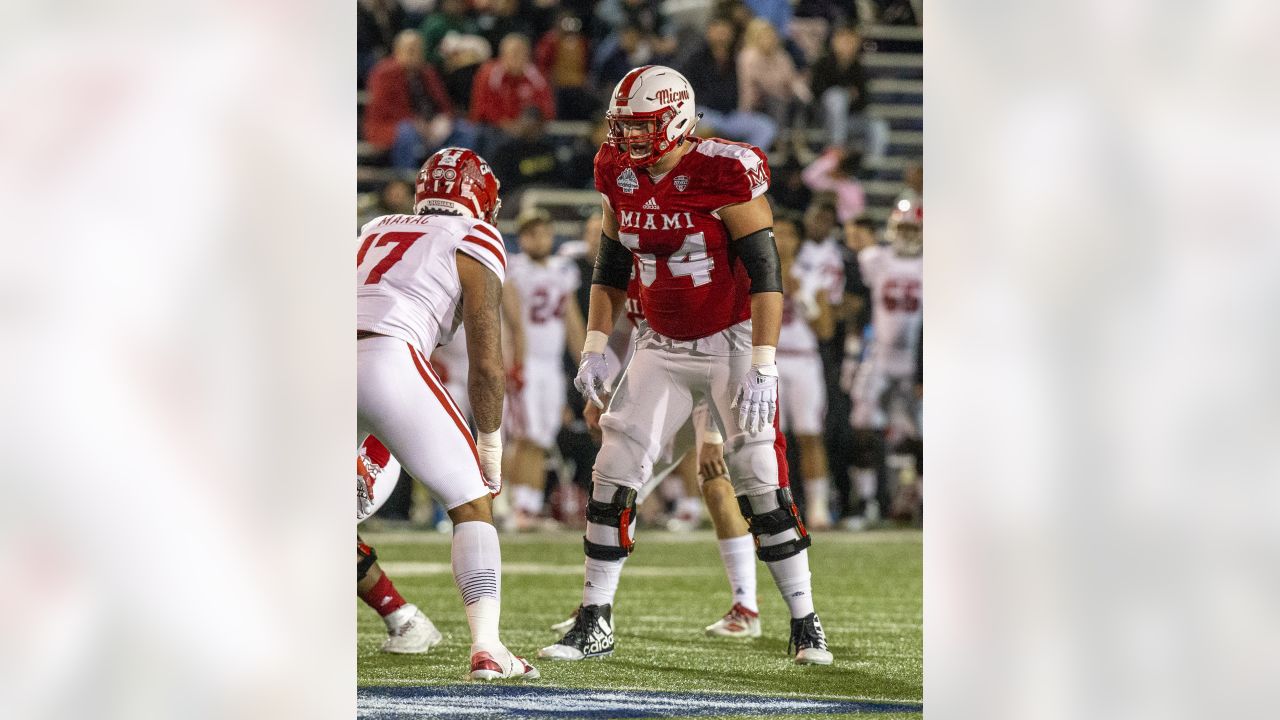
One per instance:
(641, 138)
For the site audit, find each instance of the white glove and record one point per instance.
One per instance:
(757, 398)
(489, 447)
(591, 377)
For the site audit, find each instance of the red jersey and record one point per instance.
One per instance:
(691, 285)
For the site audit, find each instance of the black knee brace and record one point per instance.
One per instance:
(617, 513)
(778, 520)
(366, 556)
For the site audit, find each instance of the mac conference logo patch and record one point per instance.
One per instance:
(681, 182)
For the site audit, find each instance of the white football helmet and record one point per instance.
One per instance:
(650, 112)
(905, 229)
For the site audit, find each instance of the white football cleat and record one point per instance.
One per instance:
(415, 635)
(809, 641)
(739, 622)
(501, 665)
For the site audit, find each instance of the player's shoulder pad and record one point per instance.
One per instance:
(741, 166)
(483, 242)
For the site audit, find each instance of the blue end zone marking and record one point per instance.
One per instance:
(509, 702)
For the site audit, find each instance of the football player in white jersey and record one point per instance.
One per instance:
(547, 286)
(806, 319)
(884, 396)
(819, 258)
(418, 277)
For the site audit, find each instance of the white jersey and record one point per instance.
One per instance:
(407, 284)
(823, 263)
(544, 290)
(796, 336)
(896, 284)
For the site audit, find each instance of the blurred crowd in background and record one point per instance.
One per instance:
(830, 90)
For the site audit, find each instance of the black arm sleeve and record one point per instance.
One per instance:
(613, 264)
(760, 256)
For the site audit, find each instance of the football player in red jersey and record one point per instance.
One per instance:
(691, 213)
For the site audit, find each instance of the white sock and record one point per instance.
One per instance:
(600, 581)
(528, 499)
(739, 557)
(817, 493)
(477, 570)
(794, 582)
(865, 481)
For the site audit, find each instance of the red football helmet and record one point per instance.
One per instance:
(650, 112)
(458, 180)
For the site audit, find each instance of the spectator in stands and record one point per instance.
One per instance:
(644, 14)
(501, 18)
(629, 48)
(409, 113)
(451, 17)
(836, 171)
(767, 77)
(839, 81)
(563, 58)
(712, 70)
(462, 56)
(377, 22)
(776, 12)
(527, 156)
(396, 198)
(504, 89)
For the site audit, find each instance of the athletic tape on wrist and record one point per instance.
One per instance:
(763, 354)
(596, 342)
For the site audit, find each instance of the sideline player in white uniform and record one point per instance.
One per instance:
(552, 321)
(806, 318)
(819, 258)
(417, 277)
(884, 385)
(692, 213)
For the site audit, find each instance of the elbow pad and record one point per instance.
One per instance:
(613, 264)
(760, 257)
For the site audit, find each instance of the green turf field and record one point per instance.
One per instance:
(868, 590)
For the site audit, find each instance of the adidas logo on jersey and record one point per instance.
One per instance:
(651, 205)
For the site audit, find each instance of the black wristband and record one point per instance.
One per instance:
(613, 264)
(760, 257)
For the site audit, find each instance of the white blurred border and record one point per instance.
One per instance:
(177, 192)
(1103, 272)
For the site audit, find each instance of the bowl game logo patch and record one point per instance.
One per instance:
(627, 181)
